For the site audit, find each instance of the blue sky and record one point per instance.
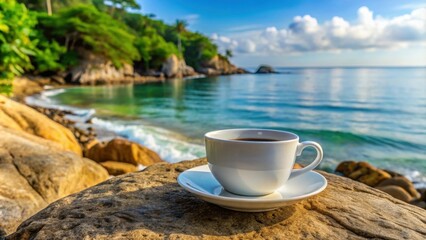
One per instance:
(307, 33)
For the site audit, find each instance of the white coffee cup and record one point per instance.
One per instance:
(253, 168)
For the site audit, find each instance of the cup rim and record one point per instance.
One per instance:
(208, 136)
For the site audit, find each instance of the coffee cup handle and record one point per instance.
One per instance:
(314, 164)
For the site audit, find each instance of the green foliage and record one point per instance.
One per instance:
(198, 48)
(151, 45)
(154, 50)
(181, 26)
(195, 46)
(40, 5)
(48, 57)
(84, 27)
(15, 43)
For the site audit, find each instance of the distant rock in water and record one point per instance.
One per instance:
(266, 69)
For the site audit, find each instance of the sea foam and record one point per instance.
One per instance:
(164, 142)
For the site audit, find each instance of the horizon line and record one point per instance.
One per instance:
(358, 66)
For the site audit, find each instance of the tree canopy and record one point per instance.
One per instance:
(32, 41)
(85, 27)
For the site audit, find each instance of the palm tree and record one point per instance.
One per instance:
(228, 53)
(180, 28)
(49, 7)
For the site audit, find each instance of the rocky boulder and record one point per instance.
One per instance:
(387, 181)
(117, 168)
(219, 65)
(265, 69)
(24, 87)
(402, 182)
(35, 172)
(93, 69)
(20, 117)
(174, 67)
(123, 150)
(362, 172)
(151, 205)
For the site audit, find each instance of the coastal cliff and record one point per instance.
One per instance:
(151, 205)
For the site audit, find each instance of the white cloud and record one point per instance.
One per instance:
(246, 46)
(306, 34)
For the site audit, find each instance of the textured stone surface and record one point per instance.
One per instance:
(151, 205)
(35, 172)
(20, 117)
(123, 150)
(118, 168)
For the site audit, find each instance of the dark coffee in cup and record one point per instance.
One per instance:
(255, 139)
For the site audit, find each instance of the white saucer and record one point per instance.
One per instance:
(201, 182)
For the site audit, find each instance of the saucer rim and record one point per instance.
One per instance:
(249, 200)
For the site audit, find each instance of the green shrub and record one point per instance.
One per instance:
(15, 44)
(197, 48)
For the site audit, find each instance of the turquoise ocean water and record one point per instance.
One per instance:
(372, 114)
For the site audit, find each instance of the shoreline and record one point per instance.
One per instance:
(88, 120)
(25, 86)
(159, 139)
(126, 130)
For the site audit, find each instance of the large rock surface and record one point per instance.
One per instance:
(93, 69)
(17, 116)
(151, 205)
(123, 150)
(174, 67)
(35, 172)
